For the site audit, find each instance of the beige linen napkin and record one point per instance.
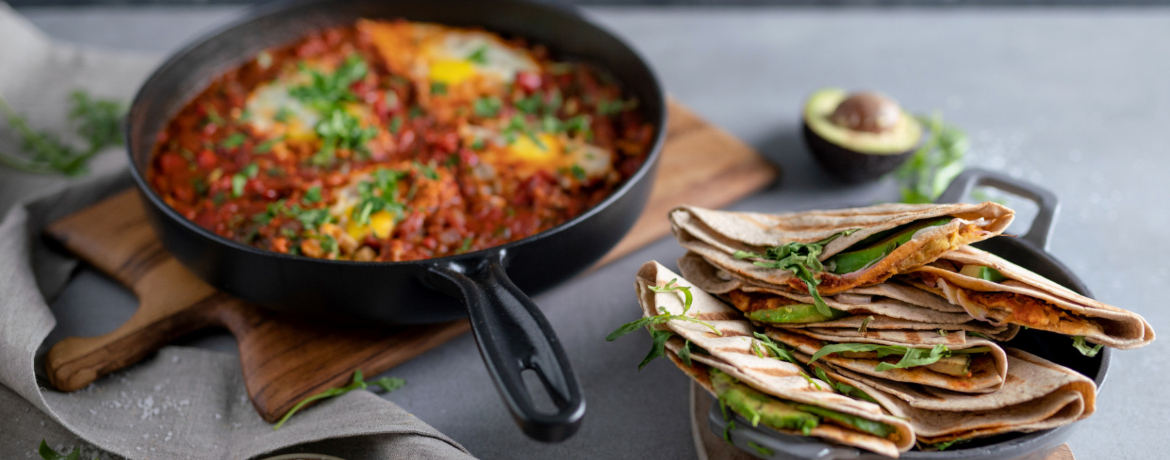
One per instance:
(182, 403)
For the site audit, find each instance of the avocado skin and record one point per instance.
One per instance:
(754, 405)
(796, 313)
(850, 165)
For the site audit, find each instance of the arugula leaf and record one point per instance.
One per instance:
(98, 121)
(1083, 347)
(776, 350)
(657, 347)
(684, 353)
(802, 259)
(358, 383)
(935, 164)
(911, 357)
(810, 380)
(980, 335)
(946, 444)
(844, 388)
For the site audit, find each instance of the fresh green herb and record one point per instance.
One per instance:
(98, 121)
(251, 170)
(427, 171)
(730, 423)
(387, 384)
(234, 140)
(266, 146)
(935, 164)
(477, 144)
(415, 112)
(238, 182)
(764, 451)
(380, 194)
(581, 124)
(684, 353)
(327, 93)
(341, 130)
(802, 259)
(980, 335)
(578, 172)
(611, 107)
(864, 324)
(659, 336)
(213, 115)
(911, 357)
(283, 115)
(48, 453)
(1083, 347)
(845, 389)
(529, 105)
(313, 194)
(945, 444)
(395, 124)
(942, 332)
(479, 56)
(487, 107)
(811, 382)
(438, 88)
(551, 124)
(774, 349)
(465, 246)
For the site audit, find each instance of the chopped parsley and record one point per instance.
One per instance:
(239, 180)
(426, 170)
(578, 172)
(438, 88)
(234, 140)
(266, 146)
(479, 56)
(395, 124)
(611, 107)
(529, 105)
(380, 194)
(313, 195)
(487, 107)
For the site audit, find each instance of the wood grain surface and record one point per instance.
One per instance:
(710, 446)
(284, 359)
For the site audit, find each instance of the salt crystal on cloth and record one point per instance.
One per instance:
(182, 403)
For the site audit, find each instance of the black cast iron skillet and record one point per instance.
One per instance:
(488, 286)
(1028, 251)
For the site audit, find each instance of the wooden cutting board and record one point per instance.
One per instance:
(709, 446)
(285, 360)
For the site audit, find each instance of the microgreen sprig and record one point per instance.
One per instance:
(387, 384)
(98, 121)
(659, 337)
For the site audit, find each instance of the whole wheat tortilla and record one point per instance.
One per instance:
(986, 375)
(881, 303)
(732, 353)
(1037, 395)
(1096, 321)
(717, 235)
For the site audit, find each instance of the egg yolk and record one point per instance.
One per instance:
(526, 149)
(381, 224)
(451, 71)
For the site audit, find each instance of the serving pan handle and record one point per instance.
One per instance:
(1045, 218)
(514, 336)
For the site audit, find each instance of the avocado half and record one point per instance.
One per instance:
(856, 155)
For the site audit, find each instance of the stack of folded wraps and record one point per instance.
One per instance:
(875, 327)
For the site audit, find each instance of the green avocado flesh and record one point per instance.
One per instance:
(878, 429)
(956, 365)
(901, 138)
(877, 246)
(797, 313)
(983, 273)
(759, 407)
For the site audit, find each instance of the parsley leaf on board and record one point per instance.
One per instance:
(802, 259)
(388, 384)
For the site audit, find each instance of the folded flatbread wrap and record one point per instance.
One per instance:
(734, 354)
(857, 246)
(1010, 294)
(897, 306)
(1037, 395)
(975, 365)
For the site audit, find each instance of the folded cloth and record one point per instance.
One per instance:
(183, 403)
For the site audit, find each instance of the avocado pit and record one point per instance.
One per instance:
(859, 136)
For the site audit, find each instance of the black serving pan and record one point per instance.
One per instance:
(490, 285)
(1029, 251)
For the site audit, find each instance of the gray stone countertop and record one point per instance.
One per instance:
(1074, 100)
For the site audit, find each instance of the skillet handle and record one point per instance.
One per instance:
(513, 336)
(1047, 202)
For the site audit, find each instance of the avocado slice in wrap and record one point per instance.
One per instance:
(1037, 395)
(730, 348)
(1021, 297)
(798, 250)
(892, 305)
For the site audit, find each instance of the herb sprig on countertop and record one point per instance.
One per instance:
(387, 384)
(932, 167)
(802, 259)
(47, 453)
(98, 121)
